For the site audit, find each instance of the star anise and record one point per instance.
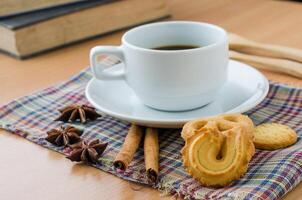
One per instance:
(87, 152)
(75, 112)
(64, 136)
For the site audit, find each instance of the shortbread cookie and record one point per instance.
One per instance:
(224, 122)
(273, 136)
(218, 149)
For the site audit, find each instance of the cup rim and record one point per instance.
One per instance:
(125, 42)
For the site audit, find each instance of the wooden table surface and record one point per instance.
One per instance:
(28, 171)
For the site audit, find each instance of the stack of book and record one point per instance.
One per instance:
(31, 27)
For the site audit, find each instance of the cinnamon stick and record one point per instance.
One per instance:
(151, 151)
(131, 143)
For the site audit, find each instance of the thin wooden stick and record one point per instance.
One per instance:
(244, 45)
(131, 143)
(288, 67)
(151, 151)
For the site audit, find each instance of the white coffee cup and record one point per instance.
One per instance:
(171, 80)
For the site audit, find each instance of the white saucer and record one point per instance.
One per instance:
(246, 87)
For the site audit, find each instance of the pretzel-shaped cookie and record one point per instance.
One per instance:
(218, 149)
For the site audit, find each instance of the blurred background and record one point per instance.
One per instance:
(30, 27)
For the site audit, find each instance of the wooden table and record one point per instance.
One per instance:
(28, 171)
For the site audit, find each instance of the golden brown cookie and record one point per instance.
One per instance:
(224, 122)
(273, 136)
(218, 149)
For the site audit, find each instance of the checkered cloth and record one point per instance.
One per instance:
(270, 175)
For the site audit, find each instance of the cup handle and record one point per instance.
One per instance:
(99, 68)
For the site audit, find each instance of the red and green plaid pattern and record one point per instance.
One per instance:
(271, 174)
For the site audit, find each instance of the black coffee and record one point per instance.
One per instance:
(176, 47)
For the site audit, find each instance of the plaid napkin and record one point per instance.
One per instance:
(271, 174)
